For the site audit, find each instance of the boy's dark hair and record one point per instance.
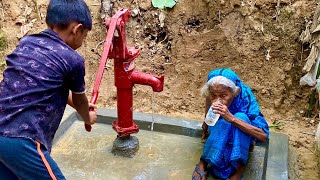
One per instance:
(62, 12)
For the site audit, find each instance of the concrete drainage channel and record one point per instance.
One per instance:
(170, 151)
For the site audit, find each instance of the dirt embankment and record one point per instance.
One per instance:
(257, 39)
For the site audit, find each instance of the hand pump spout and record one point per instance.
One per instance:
(156, 82)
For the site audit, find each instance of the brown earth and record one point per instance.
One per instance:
(257, 39)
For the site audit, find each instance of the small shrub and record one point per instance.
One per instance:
(3, 41)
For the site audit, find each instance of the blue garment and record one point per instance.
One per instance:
(35, 86)
(22, 158)
(227, 145)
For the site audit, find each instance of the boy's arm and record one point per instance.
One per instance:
(70, 103)
(81, 104)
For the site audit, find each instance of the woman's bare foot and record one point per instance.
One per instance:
(201, 169)
(237, 175)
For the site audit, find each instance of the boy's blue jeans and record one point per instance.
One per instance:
(22, 158)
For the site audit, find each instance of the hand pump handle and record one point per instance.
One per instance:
(111, 25)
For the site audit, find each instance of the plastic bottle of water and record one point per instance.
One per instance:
(211, 117)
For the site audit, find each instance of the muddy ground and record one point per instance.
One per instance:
(257, 39)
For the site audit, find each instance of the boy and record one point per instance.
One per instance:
(35, 90)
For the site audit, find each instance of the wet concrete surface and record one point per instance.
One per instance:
(83, 155)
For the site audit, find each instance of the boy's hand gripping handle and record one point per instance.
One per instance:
(87, 126)
(93, 100)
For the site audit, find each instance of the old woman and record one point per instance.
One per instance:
(241, 123)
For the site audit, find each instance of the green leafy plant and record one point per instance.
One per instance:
(3, 41)
(276, 125)
(2, 63)
(313, 100)
(161, 4)
(312, 104)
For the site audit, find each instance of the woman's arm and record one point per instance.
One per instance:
(247, 128)
(208, 104)
(204, 125)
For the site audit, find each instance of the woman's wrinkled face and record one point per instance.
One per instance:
(222, 92)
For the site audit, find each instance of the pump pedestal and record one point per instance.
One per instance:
(125, 146)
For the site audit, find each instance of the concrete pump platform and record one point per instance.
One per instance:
(170, 151)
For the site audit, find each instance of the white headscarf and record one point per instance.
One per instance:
(219, 80)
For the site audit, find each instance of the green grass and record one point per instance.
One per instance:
(2, 63)
(3, 46)
(3, 41)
